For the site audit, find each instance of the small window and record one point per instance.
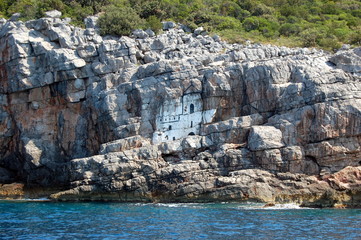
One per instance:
(170, 127)
(191, 108)
(191, 123)
(173, 138)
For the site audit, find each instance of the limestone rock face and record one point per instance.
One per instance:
(264, 137)
(174, 116)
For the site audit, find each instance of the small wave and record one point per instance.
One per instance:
(281, 207)
(28, 200)
(245, 205)
(179, 205)
(171, 205)
(37, 199)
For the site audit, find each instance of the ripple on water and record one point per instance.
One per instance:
(48, 220)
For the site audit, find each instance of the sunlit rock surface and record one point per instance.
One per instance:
(176, 116)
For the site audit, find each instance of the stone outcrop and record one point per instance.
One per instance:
(177, 116)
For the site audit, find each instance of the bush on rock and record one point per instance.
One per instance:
(119, 21)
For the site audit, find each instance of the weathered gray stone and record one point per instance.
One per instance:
(87, 51)
(264, 137)
(140, 34)
(348, 60)
(2, 22)
(200, 31)
(168, 25)
(150, 32)
(91, 22)
(150, 57)
(15, 17)
(53, 14)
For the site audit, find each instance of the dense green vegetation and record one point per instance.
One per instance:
(310, 23)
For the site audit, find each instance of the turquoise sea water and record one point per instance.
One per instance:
(47, 220)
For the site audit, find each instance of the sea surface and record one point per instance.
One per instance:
(49, 220)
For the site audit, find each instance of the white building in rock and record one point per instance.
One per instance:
(178, 118)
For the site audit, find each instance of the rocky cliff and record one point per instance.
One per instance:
(177, 116)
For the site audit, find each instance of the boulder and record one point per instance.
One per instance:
(91, 22)
(53, 14)
(264, 137)
(169, 25)
(15, 17)
(348, 60)
(138, 33)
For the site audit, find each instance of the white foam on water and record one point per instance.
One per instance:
(179, 205)
(282, 207)
(245, 205)
(30, 200)
(38, 199)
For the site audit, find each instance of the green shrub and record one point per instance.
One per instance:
(356, 13)
(182, 12)
(287, 11)
(96, 5)
(251, 23)
(292, 19)
(119, 21)
(154, 23)
(309, 37)
(77, 13)
(200, 17)
(29, 9)
(355, 37)
(267, 28)
(315, 10)
(341, 33)
(146, 9)
(229, 8)
(289, 29)
(261, 9)
(222, 23)
(329, 43)
(330, 8)
(243, 15)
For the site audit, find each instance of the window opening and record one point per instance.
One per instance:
(191, 108)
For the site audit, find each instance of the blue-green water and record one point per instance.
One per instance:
(46, 220)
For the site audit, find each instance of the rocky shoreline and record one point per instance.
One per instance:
(176, 117)
(339, 190)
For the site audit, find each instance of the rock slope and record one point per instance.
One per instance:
(178, 116)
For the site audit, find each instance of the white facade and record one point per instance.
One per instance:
(180, 117)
